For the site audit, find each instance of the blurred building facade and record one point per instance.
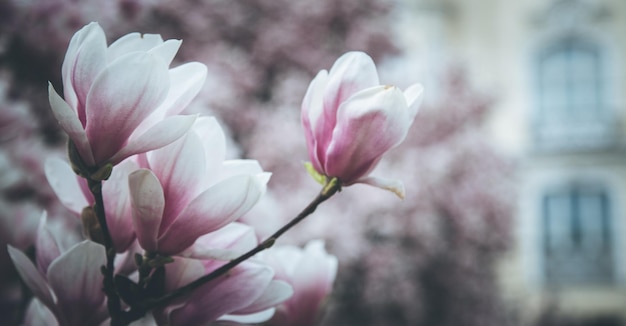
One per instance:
(557, 70)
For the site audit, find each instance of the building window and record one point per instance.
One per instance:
(571, 111)
(577, 241)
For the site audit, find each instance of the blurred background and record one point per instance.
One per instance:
(515, 167)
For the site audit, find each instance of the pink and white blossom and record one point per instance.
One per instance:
(115, 97)
(311, 272)
(246, 294)
(350, 120)
(186, 190)
(74, 194)
(71, 287)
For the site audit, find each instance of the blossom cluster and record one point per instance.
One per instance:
(159, 202)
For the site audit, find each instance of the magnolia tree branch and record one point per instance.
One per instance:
(332, 187)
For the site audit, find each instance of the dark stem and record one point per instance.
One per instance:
(113, 299)
(332, 187)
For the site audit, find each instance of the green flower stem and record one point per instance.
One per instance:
(331, 187)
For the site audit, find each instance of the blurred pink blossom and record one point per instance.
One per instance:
(350, 120)
(311, 272)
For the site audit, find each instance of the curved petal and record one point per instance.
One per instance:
(117, 206)
(31, 277)
(211, 210)
(414, 95)
(70, 124)
(166, 50)
(312, 117)
(133, 42)
(46, 243)
(125, 93)
(76, 279)
(186, 81)
(214, 142)
(38, 314)
(226, 243)
(161, 134)
(395, 186)
(232, 168)
(147, 202)
(369, 124)
(351, 73)
(65, 185)
(179, 168)
(84, 59)
(275, 293)
(255, 318)
(244, 284)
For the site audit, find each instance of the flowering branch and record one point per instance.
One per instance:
(332, 187)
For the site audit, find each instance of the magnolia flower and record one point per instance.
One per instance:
(247, 294)
(70, 288)
(350, 120)
(117, 96)
(311, 272)
(74, 194)
(186, 190)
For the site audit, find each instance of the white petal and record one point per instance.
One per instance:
(76, 279)
(65, 184)
(186, 81)
(255, 318)
(161, 134)
(148, 202)
(68, 120)
(414, 95)
(31, 277)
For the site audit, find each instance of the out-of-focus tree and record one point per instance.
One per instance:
(427, 260)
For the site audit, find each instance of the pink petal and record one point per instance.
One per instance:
(118, 207)
(178, 167)
(85, 58)
(182, 272)
(148, 202)
(65, 184)
(213, 209)
(312, 116)
(368, 125)
(71, 125)
(125, 93)
(31, 277)
(76, 280)
(244, 284)
(351, 73)
(161, 134)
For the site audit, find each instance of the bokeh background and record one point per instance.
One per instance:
(515, 167)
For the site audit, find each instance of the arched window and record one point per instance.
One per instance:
(570, 83)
